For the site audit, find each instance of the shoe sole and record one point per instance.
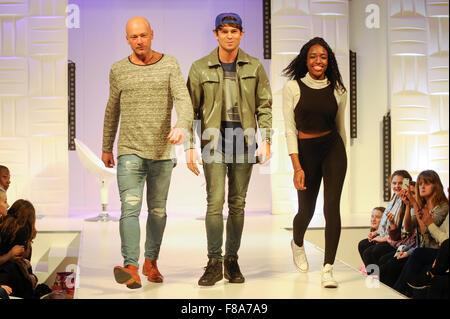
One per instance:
(295, 264)
(418, 287)
(329, 285)
(155, 280)
(145, 273)
(234, 281)
(227, 276)
(122, 277)
(210, 283)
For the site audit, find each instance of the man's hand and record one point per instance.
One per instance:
(263, 152)
(176, 136)
(192, 158)
(108, 159)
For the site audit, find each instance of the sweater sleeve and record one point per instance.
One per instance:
(182, 100)
(289, 103)
(196, 93)
(112, 115)
(340, 116)
(440, 234)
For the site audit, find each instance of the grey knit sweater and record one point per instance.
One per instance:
(142, 97)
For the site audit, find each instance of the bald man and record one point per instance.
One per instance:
(144, 87)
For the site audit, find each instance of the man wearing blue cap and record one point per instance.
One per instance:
(231, 96)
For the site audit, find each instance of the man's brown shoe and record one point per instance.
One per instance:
(150, 270)
(128, 276)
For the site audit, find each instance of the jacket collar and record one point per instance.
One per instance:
(213, 57)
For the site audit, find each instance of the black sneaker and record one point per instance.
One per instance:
(213, 273)
(231, 270)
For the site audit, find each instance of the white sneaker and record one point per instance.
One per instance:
(327, 277)
(299, 255)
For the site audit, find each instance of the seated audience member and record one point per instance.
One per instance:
(18, 228)
(3, 204)
(429, 200)
(395, 208)
(16, 250)
(439, 275)
(427, 278)
(426, 264)
(392, 263)
(375, 219)
(4, 178)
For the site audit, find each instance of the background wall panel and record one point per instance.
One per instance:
(33, 102)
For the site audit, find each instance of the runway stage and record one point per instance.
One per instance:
(265, 258)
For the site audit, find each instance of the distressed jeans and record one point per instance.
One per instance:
(132, 173)
(238, 171)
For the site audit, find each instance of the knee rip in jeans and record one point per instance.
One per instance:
(160, 212)
(132, 200)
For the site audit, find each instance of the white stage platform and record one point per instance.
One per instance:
(265, 260)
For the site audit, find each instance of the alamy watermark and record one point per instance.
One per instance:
(73, 16)
(373, 19)
(373, 276)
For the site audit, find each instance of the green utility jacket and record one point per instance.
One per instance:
(205, 85)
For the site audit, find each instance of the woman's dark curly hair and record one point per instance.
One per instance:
(297, 69)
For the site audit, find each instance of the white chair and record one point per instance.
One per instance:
(97, 168)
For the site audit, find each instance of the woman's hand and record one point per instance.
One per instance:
(7, 289)
(379, 239)
(17, 252)
(372, 235)
(391, 219)
(426, 216)
(299, 179)
(404, 196)
(422, 226)
(402, 254)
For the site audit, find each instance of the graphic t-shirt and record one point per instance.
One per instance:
(232, 136)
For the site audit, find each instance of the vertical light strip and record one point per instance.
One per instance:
(71, 112)
(386, 157)
(353, 105)
(266, 31)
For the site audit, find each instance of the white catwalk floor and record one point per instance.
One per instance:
(265, 260)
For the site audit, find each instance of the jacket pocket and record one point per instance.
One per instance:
(209, 77)
(248, 83)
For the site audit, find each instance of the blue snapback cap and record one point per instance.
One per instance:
(220, 21)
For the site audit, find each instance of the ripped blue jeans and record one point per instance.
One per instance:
(132, 173)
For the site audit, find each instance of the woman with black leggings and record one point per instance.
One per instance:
(313, 108)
